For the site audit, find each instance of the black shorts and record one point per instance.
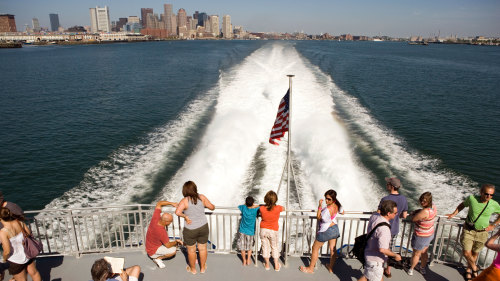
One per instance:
(15, 268)
(198, 235)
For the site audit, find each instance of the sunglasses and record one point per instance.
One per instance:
(328, 199)
(488, 194)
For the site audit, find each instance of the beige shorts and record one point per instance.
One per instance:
(374, 270)
(473, 240)
(162, 251)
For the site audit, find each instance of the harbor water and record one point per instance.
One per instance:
(129, 123)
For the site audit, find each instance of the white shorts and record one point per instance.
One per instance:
(162, 250)
(374, 271)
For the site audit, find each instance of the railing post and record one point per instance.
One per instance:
(436, 230)
(141, 221)
(74, 232)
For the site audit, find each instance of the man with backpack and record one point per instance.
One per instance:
(393, 185)
(377, 247)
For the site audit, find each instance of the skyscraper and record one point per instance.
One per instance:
(214, 25)
(36, 25)
(181, 18)
(54, 22)
(7, 23)
(202, 19)
(144, 16)
(99, 20)
(168, 19)
(227, 30)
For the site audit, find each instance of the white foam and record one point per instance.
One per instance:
(245, 112)
(397, 158)
(130, 170)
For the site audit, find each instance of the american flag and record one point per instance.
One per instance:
(281, 122)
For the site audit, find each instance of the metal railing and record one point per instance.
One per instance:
(123, 228)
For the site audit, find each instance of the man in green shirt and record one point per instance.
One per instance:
(473, 237)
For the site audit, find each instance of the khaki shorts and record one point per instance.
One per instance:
(163, 251)
(473, 240)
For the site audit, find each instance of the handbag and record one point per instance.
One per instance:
(32, 246)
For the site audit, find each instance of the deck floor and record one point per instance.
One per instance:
(222, 267)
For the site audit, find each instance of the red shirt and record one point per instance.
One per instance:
(270, 218)
(157, 235)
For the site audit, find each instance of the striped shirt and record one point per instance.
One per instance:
(425, 227)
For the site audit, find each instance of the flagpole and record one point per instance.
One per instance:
(287, 244)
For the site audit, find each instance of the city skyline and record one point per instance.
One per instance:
(363, 17)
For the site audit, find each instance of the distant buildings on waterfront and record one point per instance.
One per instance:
(168, 25)
(54, 22)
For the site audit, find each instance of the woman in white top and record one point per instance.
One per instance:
(12, 238)
(328, 230)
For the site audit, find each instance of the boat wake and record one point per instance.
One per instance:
(336, 144)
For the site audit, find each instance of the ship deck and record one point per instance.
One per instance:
(223, 267)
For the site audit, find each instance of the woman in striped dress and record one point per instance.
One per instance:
(424, 232)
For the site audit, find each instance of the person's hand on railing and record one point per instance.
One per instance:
(449, 216)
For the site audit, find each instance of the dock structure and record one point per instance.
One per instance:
(74, 238)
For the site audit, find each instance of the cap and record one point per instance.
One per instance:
(394, 182)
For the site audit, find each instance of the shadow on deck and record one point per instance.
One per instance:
(223, 267)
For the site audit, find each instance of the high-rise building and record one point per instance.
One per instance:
(144, 15)
(133, 19)
(214, 25)
(99, 19)
(152, 21)
(227, 30)
(36, 25)
(169, 13)
(191, 23)
(181, 18)
(7, 23)
(54, 22)
(202, 19)
(121, 22)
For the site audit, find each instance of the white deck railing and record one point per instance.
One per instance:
(123, 228)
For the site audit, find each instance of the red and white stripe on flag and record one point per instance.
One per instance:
(281, 122)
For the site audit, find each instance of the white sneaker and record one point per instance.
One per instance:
(159, 263)
(410, 272)
(423, 271)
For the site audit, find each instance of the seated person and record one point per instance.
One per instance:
(158, 245)
(101, 271)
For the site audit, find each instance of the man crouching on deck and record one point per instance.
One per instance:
(158, 245)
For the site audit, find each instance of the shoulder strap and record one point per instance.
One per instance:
(25, 234)
(373, 230)
(478, 216)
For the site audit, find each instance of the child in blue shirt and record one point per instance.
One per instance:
(247, 229)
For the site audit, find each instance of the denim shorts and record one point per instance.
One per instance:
(331, 233)
(419, 242)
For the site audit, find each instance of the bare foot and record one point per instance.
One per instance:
(203, 269)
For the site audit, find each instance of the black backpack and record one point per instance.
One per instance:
(360, 243)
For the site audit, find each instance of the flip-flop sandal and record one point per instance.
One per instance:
(468, 274)
(206, 266)
(303, 269)
(188, 269)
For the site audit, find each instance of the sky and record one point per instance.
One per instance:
(397, 18)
